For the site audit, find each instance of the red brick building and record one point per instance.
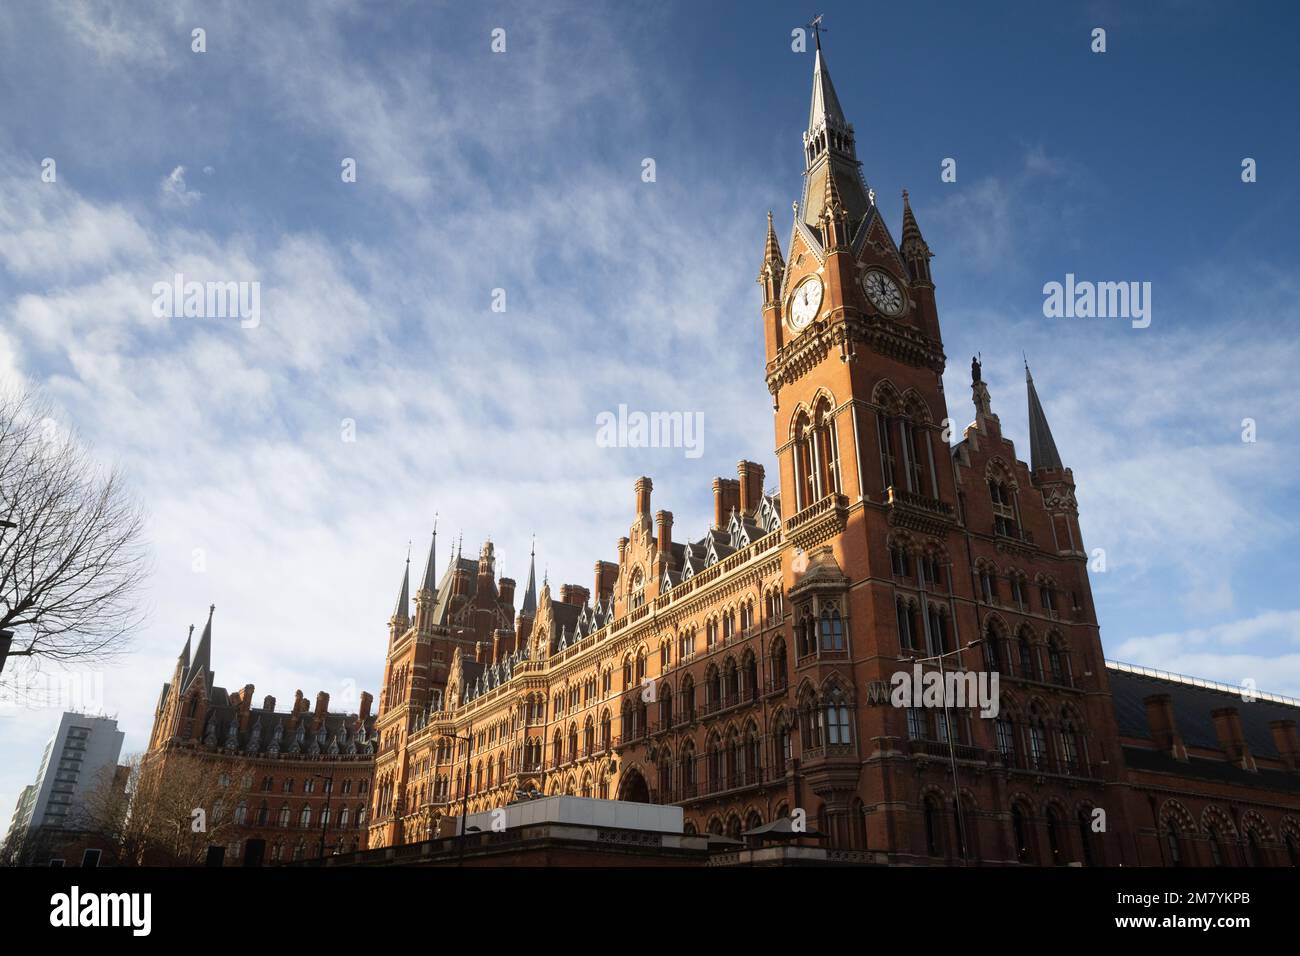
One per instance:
(285, 778)
(745, 674)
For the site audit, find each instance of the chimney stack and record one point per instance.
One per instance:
(606, 572)
(268, 703)
(574, 594)
(751, 485)
(1227, 725)
(643, 488)
(1164, 729)
(322, 704)
(726, 496)
(366, 700)
(1287, 742)
(664, 530)
(506, 589)
(478, 652)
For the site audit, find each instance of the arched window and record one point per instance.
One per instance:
(1058, 661)
(993, 638)
(1085, 838)
(283, 819)
(908, 638)
(938, 631)
(1020, 833)
(832, 629)
(1216, 848)
(262, 812)
(778, 664)
(1054, 837)
(837, 719)
(934, 843)
(1252, 847)
(1006, 739)
(1174, 842)
(304, 818)
(1004, 508)
(784, 746)
(686, 703)
(1027, 664)
(666, 708)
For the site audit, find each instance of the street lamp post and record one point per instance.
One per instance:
(949, 732)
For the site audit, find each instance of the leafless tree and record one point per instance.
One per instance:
(171, 809)
(72, 556)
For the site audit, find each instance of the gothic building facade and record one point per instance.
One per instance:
(746, 674)
(295, 780)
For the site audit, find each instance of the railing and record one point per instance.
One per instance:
(815, 510)
(1048, 764)
(901, 497)
(939, 748)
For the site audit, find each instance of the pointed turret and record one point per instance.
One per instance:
(427, 595)
(402, 612)
(772, 270)
(201, 664)
(834, 219)
(1042, 448)
(183, 662)
(915, 251)
(529, 607)
(430, 580)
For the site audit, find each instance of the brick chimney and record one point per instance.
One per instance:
(366, 700)
(1287, 742)
(268, 703)
(751, 476)
(506, 589)
(726, 496)
(1164, 729)
(1227, 726)
(664, 530)
(606, 572)
(322, 704)
(574, 594)
(643, 488)
(478, 651)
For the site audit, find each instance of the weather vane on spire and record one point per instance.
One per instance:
(815, 25)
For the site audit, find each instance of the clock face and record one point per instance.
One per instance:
(805, 302)
(883, 292)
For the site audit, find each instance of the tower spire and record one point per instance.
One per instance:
(529, 606)
(1042, 448)
(430, 580)
(830, 151)
(403, 610)
(202, 654)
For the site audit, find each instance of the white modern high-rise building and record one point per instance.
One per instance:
(80, 749)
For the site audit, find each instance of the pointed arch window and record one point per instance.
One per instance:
(1004, 508)
(837, 719)
(907, 630)
(938, 631)
(832, 628)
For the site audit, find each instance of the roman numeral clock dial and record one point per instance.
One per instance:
(883, 292)
(805, 302)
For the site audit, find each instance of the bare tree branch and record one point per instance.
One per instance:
(72, 553)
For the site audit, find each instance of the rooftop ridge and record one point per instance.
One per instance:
(1199, 682)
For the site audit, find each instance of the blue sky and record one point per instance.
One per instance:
(522, 171)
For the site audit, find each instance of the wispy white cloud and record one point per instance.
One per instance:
(175, 192)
